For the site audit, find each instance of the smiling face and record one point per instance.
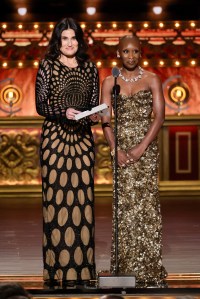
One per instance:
(69, 43)
(129, 50)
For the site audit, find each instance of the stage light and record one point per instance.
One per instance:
(99, 25)
(4, 26)
(161, 25)
(91, 10)
(20, 26)
(22, 11)
(145, 25)
(157, 10)
(99, 63)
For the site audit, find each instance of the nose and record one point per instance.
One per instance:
(69, 42)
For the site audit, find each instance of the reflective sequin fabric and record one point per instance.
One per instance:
(67, 165)
(139, 248)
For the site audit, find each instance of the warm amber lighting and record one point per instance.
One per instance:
(98, 25)
(192, 24)
(161, 62)
(83, 26)
(177, 63)
(4, 26)
(177, 25)
(51, 26)
(36, 26)
(99, 63)
(114, 63)
(4, 64)
(35, 63)
(161, 25)
(145, 63)
(193, 62)
(20, 26)
(146, 25)
(114, 25)
(130, 25)
(20, 64)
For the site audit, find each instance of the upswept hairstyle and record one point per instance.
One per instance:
(53, 50)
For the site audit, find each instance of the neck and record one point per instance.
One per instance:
(68, 61)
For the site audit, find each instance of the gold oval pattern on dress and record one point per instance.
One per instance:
(71, 274)
(44, 171)
(72, 151)
(59, 197)
(54, 135)
(74, 179)
(78, 256)
(90, 254)
(85, 235)
(46, 132)
(55, 237)
(85, 274)
(52, 176)
(52, 159)
(62, 216)
(85, 177)
(69, 163)
(87, 141)
(81, 197)
(64, 258)
(78, 149)
(46, 154)
(76, 216)
(89, 193)
(50, 213)
(60, 162)
(88, 214)
(59, 275)
(69, 236)
(61, 146)
(49, 194)
(78, 163)
(55, 143)
(86, 160)
(92, 156)
(70, 197)
(66, 150)
(63, 179)
(83, 146)
(45, 142)
(50, 258)
(45, 215)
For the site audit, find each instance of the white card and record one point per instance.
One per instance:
(102, 110)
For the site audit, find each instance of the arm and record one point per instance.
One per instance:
(42, 92)
(159, 115)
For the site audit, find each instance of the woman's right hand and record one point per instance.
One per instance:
(71, 112)
(122, 158)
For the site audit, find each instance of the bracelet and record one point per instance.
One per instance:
(113, 151)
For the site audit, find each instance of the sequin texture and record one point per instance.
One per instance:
(139, 250)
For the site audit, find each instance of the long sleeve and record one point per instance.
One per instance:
(42, 92)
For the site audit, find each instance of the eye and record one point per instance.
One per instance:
(125, 51)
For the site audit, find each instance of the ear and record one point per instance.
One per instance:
(118, 56)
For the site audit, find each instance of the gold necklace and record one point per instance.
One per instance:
(141, 71)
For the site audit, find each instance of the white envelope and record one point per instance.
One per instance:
(102, 110)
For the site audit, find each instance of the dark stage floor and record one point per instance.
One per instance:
(21, 251)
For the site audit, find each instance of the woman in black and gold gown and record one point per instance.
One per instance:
(138, 228)
(67, 83)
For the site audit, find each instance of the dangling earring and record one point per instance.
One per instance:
(118, 56)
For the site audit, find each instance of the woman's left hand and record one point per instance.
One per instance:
(135, 153)
(95, 117)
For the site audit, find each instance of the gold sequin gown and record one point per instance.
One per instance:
(67, 164)
(139, 216)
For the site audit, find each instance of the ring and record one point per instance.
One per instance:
(131, 160)
(127, 161)
(123, 165)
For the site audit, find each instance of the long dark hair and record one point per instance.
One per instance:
(53, 50)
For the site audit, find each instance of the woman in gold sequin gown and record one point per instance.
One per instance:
(66, 84)
(138, 227)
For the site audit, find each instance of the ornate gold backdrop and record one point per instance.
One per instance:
(170, 49)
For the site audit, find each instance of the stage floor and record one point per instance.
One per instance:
(21, 239)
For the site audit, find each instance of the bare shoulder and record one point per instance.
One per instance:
(108, 81)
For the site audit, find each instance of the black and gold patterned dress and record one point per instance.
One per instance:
(139, 216)
(67, 165)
